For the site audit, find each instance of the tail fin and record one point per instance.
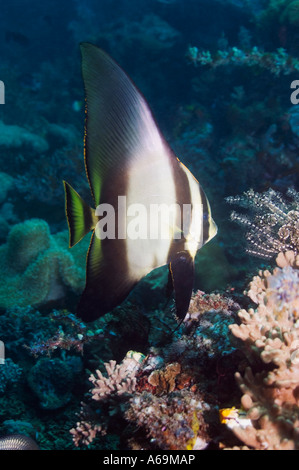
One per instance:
(81, 218)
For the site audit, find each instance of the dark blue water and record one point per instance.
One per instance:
(217, 75)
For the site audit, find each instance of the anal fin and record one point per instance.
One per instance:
(182, 273)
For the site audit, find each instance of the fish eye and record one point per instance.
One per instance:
(205, 216)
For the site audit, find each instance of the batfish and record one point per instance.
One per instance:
(149, 210)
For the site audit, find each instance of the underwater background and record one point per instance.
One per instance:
(220, 77)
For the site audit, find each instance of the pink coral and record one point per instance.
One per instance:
(85, 432)
(120, 377)
(270, 334)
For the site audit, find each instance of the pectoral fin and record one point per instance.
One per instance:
(80, 216)
(182, 272)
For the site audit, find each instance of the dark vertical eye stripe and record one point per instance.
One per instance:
(205, 218)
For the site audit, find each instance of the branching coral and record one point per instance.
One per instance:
(166, 394)
(273, 224)
(120, 380)
(270, 336)
(85, 432)
(279, 62)
(121, 377)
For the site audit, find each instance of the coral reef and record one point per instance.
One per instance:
(11, 426)
(16, 138)
(37, 267)
(121, 377)
(166, 394)
(10, 373)
(85, 433)
(72, 334)
(52, 380)
(21, 326)
(172, 422)
(7, 216)
(6, 185)
(284, 11)
(270, 339)
(120, 381)
(279, 62)
(152, 33)
(173, 394)
(225, 109)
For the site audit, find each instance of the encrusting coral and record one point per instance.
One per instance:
(164, 379)
(174, 421)
(36, 267)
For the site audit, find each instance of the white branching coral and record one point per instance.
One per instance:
(272, 224)
(270, 335)
(120, 377)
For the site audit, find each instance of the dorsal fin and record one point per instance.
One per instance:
(119, 124)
